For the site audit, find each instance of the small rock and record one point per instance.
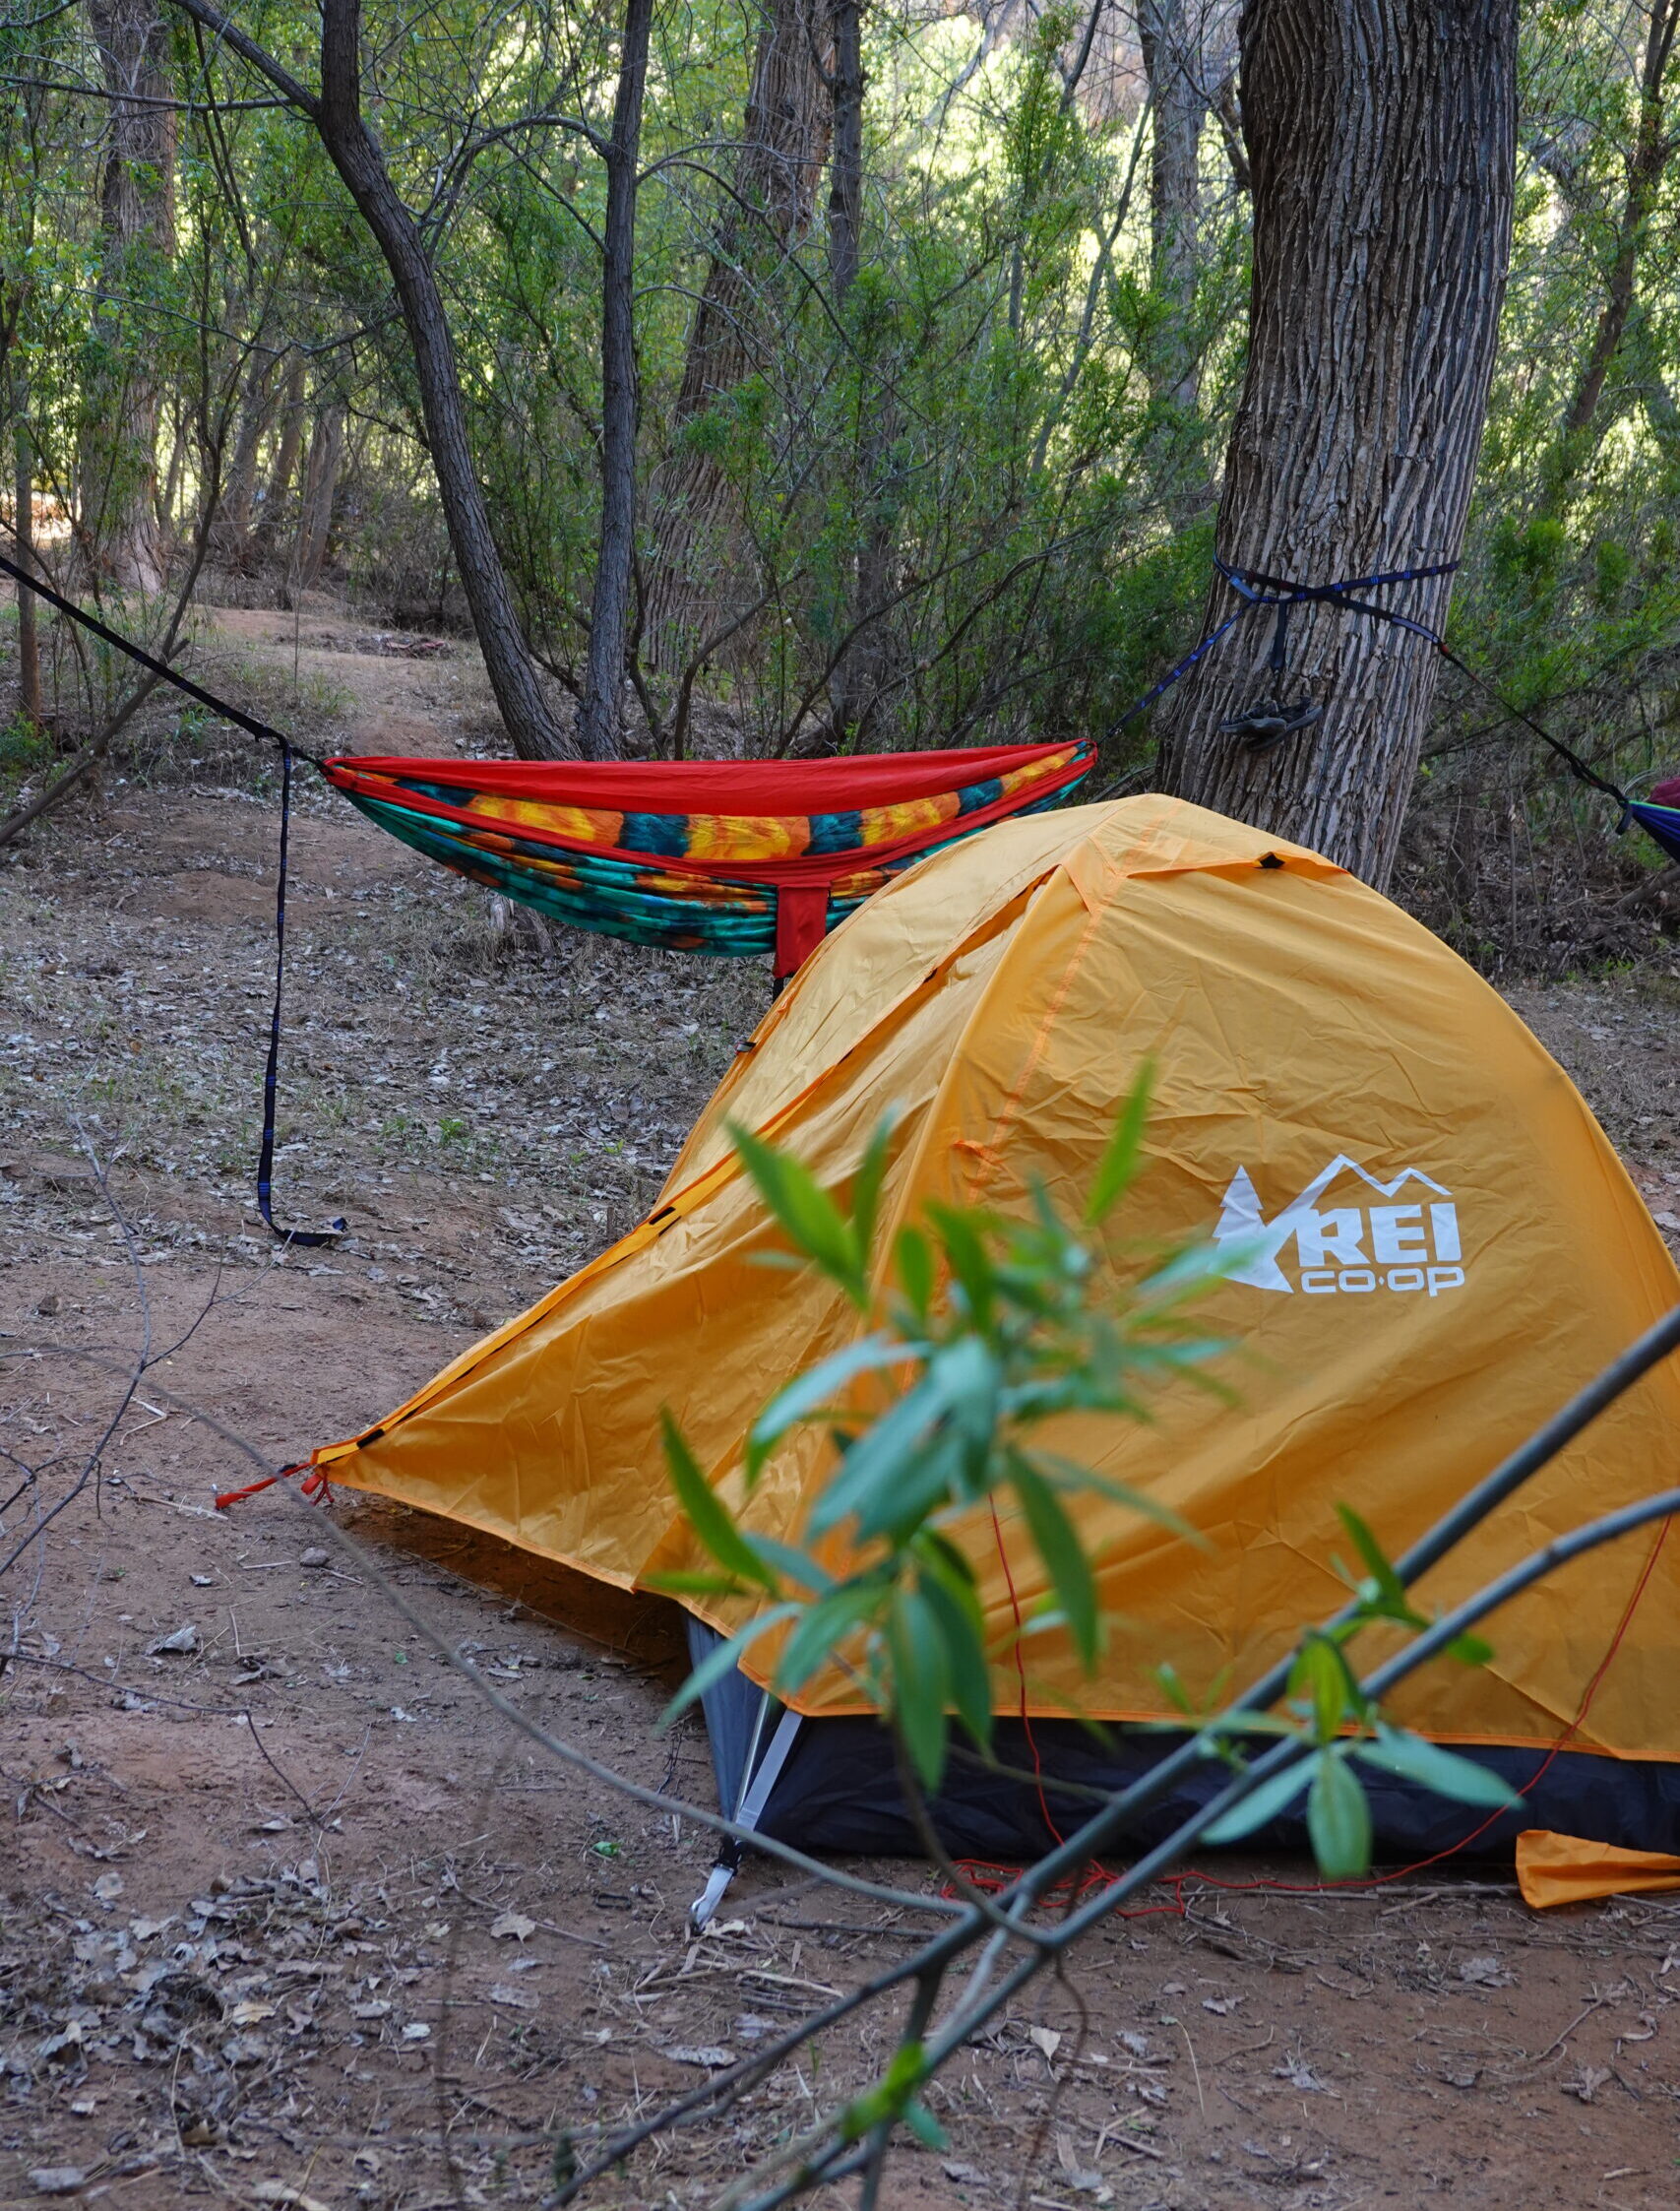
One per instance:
(58, 2180)
(315, 1556)
(709, 2055)
(109, 1887)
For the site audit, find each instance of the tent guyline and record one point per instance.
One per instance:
(744, 857)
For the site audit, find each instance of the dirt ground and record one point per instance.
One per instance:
(288, 1917)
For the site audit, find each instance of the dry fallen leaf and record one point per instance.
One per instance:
(1485, 1973)
(284, 2193)
(1045, 2038)
(250, 2013)
(109, 1887)
(1588, 2082)
(521, 1999)
(708, 2055)
(184, 1641)
(515, 1923)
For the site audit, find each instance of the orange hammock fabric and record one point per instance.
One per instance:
(704, 856)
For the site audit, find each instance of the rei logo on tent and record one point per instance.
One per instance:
(1351, 1247)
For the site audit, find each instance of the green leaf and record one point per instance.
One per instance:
(811, 1392)
(971, 1262)
(924, 2126)
(960, 1625)
(921, 1682)
(1470, 1650)
(825, 1628)
(706, 1513)
(1339, 1819)
(913, 1257)
(1390, 1588)
(1267, 1800)
(792, 1564)
(723, 1659)
(1414, 1759)
(809, 1217)
(866, 1185)
(1063, 1554)
(1119, 1163)
(1320, 1677)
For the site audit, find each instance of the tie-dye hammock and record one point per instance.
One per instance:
(703, 855)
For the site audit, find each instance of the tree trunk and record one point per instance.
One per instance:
(855, 687)
(845, 163)
(777, 166)
(356, 156)
(1381, 136)
(320, 482)
(1647, 161)
(237, 511)
(609, 607)
(24, 537)
(1169, 35)
(119, 530)
(282, 476)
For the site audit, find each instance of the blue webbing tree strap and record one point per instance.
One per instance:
(1255, 591)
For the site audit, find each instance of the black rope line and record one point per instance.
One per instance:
(288, 750)
(138, 653)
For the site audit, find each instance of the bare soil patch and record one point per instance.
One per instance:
(285, 1916)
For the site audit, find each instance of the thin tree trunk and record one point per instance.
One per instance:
(1168, 35)
(1381, 136)
(238, 506)
(609, 607)
(320, 482)
(24, 537)
(282, 476)
(855, 687)
(778, 168)
(846, 163)
(1652, 149)
(118, 530)
(356, 156)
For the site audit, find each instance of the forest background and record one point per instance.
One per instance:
(823, 375)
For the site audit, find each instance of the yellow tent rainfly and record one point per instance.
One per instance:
(1441, 1248)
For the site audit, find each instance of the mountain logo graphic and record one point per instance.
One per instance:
(1410, 1242)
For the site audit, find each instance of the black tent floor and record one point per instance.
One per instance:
(838, 1792)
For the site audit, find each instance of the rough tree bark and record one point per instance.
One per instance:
(357, 155)
(118, 533)
(777, 166)
(610, 606)
(1169, 36)
(1381, 136)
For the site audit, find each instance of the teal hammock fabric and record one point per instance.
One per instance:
(729, 857)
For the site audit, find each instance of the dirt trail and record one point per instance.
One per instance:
(285, 1914)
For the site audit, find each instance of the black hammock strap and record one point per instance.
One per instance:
(1255, 592)
(270, 736)
(1282, 594)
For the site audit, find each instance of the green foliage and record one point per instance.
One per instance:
(980, 1330)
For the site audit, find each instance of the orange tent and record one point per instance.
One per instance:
(1448, 1248)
